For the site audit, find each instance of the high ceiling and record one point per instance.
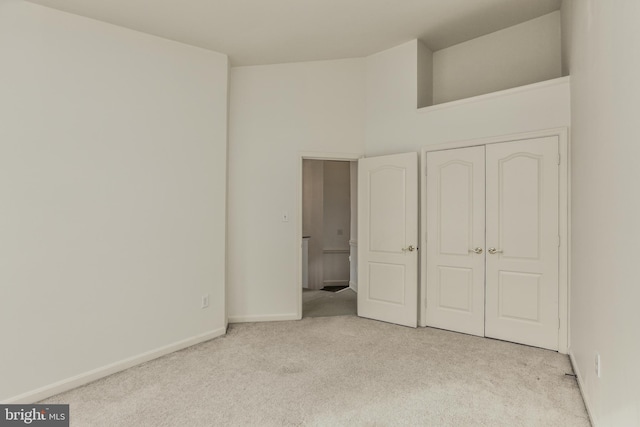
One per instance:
(256, 32)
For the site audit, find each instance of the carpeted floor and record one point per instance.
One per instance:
(337, 371)
(318, 303)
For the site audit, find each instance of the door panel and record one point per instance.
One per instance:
(387, 189)
(455, 289)
(386, 283)
(522, 227)
(455, 226)
(387, 227)
(519, 296)
(519, 205)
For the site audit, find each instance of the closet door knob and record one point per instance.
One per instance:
(494, 251)
(476, 251)
(410, 249)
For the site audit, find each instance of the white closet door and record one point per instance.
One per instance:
(522, 242)
(387, 238)
(455, 240)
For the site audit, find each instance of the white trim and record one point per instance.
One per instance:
(561, 132)
(353, 285)
(497, 94)
(104, 371)
(587, 405)
(422, 241)
(564, 284)
(264, 318)
(319, 155)
(564, 229)
(348, 157)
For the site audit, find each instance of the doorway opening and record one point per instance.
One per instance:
(329, 241)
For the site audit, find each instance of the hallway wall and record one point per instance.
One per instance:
(337, 223)
(313, 218)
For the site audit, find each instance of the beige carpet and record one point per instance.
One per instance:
(317, 303)
(337, 371)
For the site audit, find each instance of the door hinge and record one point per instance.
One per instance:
(558, 158)
(558, 323)
(558, 240)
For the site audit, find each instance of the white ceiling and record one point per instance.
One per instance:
(256, 32)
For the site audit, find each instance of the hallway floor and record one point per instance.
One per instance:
(317, 303)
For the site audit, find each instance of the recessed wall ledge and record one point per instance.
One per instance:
(497, 94)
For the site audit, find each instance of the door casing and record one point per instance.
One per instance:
(564, 191)
(311, 155)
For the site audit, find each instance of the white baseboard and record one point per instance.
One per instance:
(353, 285)
(585, 399)
(263, 318)
(104, 371)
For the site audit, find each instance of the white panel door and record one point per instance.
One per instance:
(522, 242)
(455, 240)
(387, 238)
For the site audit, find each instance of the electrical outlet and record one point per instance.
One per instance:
(597, 365)
(205, 301)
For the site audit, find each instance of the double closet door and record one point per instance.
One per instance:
(492, 241)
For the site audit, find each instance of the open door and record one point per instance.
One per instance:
(388, 237)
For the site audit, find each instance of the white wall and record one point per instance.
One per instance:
(277, 112)
(394, 125)
(605, 94)
(526, 53)
(112, 181)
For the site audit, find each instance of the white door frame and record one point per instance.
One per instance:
(564, 279)
(309, 155)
